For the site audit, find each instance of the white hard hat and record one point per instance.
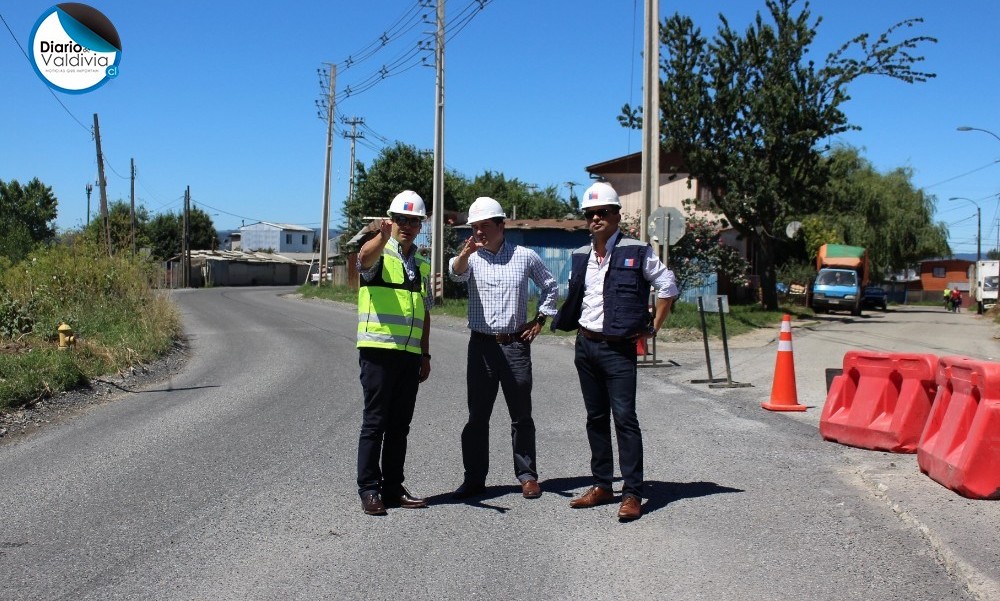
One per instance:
(407, 202)
(600, 194)
(485, 208)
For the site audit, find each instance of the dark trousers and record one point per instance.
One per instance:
(491, 366)
(389, 379)
(607, 373)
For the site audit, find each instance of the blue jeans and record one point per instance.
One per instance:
(389, 379)
(492, 366)
(607, 373)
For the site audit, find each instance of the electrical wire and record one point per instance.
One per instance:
(51, 91)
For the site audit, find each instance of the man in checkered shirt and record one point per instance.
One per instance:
(499, 353)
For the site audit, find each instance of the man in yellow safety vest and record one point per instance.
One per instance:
(393, 346)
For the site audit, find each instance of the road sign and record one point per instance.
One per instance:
(667, 223)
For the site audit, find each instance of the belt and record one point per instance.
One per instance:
(601, 336)
(498, 338)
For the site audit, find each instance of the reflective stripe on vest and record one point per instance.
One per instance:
(391, 307)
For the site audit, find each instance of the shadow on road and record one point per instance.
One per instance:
(661, 494)
(658, 494)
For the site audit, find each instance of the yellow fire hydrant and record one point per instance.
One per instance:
(66, 337)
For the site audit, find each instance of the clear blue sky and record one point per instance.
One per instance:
(219, 96)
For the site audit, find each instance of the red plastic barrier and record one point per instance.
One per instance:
(881, 401)
(960, 445)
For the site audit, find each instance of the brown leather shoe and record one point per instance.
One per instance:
(631, 508)
(530, 489)
(371, 503)
(593, 497)
(404, 499)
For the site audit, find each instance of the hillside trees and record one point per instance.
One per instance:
(27, 217)
(749, 112)
(403, 167)
(165, 230)
(882, 212)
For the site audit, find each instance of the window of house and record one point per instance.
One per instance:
(288, 238)
(704, 198)
(303, 239)
(938, 272)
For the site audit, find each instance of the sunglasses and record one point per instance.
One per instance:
(602, 213)
(402, 220)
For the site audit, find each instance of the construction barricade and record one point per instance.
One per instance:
(959, 447)
(881, 401)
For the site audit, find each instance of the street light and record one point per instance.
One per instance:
(979, 235)
(967, 128)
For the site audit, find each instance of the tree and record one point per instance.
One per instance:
(882, 212)
(700, 252)
(397, 168)
(27, 217)
(119, 223)
(516, 197)
(748, 113)
(164, 233)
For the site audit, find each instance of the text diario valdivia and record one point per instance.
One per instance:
(71, 54)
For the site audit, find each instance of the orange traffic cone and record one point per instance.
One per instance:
(783, 395)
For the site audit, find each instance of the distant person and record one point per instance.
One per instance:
(956, 300)
(947, 299)
(607, 303)
(393, 341)
(499, 353)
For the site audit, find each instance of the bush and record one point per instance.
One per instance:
(118, 318)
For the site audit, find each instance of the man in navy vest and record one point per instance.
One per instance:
(608, 302)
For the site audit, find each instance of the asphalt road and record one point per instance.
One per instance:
(235, 480)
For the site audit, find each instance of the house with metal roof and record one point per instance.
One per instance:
(277, 237)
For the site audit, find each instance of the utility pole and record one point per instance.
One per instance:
(132, 210)
(102, 185)
(186, 240)
(354, 122)
(329, 78)
(89, 189)
(437, 239)
(650, 119)
(570, 185)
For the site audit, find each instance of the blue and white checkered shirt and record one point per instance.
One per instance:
(498, 288)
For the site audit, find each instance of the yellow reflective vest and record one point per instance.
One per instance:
(391, 307)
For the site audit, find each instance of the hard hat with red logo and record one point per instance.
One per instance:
(600, 194)
(407, 202)
(485, 208)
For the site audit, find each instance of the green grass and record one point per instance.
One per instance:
(118, 319)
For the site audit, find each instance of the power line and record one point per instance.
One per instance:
(951, 179)
(51, 91)
(414, 53)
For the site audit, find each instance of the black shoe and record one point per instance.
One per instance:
(404, 499)
(371, 503)
(468, 489)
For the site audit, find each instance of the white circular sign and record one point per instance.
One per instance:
(75, 48)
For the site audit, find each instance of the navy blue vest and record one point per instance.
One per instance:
(626, 290)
